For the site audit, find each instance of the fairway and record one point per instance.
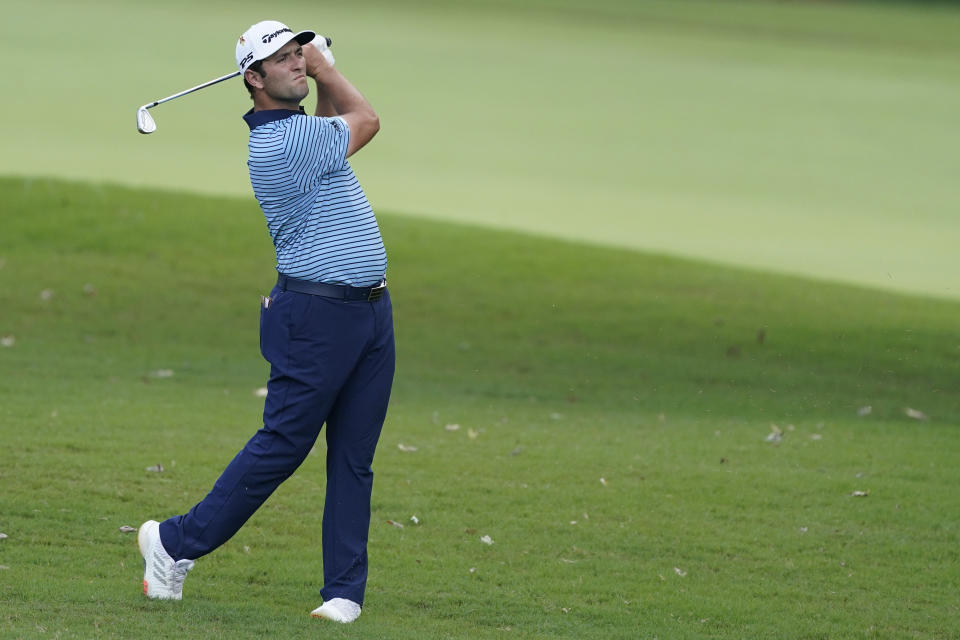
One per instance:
(675, 293)
(614, 443)
(799, 137)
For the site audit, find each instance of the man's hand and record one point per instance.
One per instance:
(336, 96)
(314, 58)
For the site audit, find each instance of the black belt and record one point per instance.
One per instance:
(338, 291)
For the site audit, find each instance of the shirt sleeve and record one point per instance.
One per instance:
(315, 147)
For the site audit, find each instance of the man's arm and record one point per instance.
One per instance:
(336, 96)
(324, 105)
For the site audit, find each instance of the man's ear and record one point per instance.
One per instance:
(254, 78)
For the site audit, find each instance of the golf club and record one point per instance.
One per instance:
(145, 122)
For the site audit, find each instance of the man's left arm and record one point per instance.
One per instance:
(347, 102)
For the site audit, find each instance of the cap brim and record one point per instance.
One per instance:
(302, 38)
(305, 37)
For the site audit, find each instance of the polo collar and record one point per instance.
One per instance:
(256, 118)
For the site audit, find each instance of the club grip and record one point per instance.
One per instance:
(323, 44)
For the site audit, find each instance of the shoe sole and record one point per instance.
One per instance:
(319, 616)
(144, 546)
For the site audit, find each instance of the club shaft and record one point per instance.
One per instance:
(192, 89)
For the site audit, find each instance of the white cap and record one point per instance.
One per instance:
(264, 39)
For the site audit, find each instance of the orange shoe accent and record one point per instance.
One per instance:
(144, 587)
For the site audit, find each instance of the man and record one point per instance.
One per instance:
(326, 329)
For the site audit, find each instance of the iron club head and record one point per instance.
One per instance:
(145, 123)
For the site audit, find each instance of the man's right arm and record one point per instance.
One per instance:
(346, 100)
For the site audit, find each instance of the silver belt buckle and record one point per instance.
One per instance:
(377, 292)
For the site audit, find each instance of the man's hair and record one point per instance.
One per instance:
(258, 67)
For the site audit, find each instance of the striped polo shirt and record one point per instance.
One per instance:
(322, 226)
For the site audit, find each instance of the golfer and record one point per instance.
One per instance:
(326, 329)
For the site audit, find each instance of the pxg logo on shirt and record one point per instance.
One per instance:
(267, 37)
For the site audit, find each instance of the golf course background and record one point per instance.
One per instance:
(653, 446)
(802, 137)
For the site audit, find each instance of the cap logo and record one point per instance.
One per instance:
(243, 41)
(270, 36)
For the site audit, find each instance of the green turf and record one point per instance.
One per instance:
(562, 364)
(806, 137)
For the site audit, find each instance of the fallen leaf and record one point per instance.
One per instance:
(472, 434)
(157, 468)
(127, 529)
(816, 436)
(3, 567)
(162, 373)
(414, 519)
(573, 522)
(261, 392)
(7, 341)
(680, 572)
(3, 536)
(46, 294)
(803, 529)
(473, 569)
(865, 411)
(565, 609)
(486, 540)
(915, 414)
(860, 494)
(406, 448)
(556, 416)
(603, 481)
(775, 435)
(452, 427)
(89, 290)
(398, 525)
(246, 548)
(470, 531)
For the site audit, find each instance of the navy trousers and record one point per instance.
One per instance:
(331, 361)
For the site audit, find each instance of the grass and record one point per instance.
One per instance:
(806, 137)
(562, 364)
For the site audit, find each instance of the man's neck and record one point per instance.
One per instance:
(265, 103)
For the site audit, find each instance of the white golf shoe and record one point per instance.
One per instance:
(338, 610)
(162, 575)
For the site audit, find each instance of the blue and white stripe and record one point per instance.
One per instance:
(322, 225)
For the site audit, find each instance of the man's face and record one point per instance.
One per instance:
(285, 78)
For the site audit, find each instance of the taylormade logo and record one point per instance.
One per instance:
(270, 36)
